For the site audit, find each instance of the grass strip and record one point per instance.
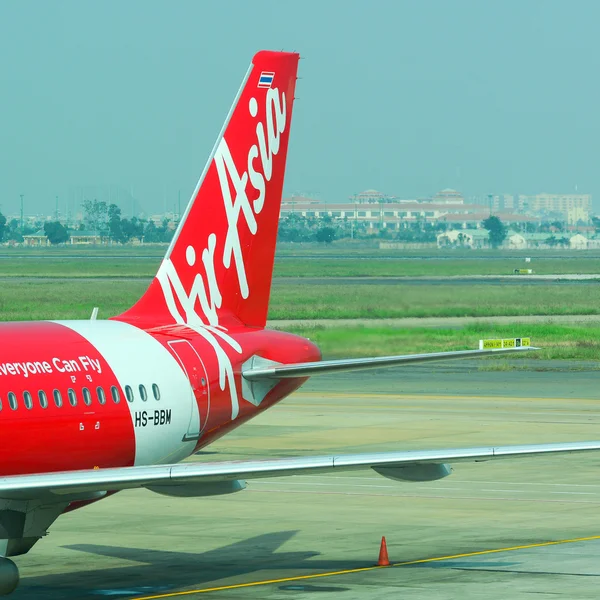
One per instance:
(117, 263)
(356, 301)
(74, 299)
(558, 342)
(432, 267)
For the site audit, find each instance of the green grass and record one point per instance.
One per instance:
(156, 250)
(432, 267)
(370, 248)
(80, 268)
(295, 301)
(146, 266)
(557, 341)
(143, 261)
(35, 300)
(47, 299)
(43, 299)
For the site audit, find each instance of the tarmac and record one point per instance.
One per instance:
(508, 529)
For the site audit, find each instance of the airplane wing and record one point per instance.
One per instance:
(414, 465)
(262, 369)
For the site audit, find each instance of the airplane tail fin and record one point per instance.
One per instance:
(218, 268)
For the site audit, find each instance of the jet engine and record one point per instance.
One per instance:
(423, 472)
(193, 490)
(9, 576)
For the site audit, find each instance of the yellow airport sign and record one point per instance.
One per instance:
(497, 344)
(523, 271)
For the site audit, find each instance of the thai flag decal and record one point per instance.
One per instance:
(266, 79)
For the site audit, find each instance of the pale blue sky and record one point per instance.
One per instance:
(405, 97)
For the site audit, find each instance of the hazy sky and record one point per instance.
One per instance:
(405, 97)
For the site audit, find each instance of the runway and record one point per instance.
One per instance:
(474, 534)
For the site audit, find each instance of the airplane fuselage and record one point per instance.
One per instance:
(98, 394)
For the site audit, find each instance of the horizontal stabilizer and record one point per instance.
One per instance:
(353, 364)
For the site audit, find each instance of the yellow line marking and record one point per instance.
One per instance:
(365, 569)
(495, 551)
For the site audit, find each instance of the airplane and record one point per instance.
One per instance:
(92, 407)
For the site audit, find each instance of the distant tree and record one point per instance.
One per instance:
(152, 233)
(326, 235)
(56, 232)
(2, 226)
(564, 241)
(114, 224)
(552, 241)
(96, 214)
(166, 232)
(12, 232)
(132, 228)
(496, 229)
(530, 227)
(296, 228)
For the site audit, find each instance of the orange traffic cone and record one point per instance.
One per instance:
(383, 561)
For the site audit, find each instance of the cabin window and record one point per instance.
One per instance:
(129, 393)
(0, 404)
(57, 398)
(43, 399)
(87, 397)
(72, 397)
(143, 393)
(101, 395)
(114, 392)
(155, 391)
(28, 400)
(12, 400)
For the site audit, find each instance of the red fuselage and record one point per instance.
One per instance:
(97, 394)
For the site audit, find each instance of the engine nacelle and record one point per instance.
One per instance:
(195, 490)
(424, 472)
(9, 576)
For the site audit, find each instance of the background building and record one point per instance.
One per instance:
(371, 197)
(555, 203)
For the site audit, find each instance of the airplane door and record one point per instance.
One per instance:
(200, 393)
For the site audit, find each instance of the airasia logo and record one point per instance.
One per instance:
(239, 205)
(205, 290)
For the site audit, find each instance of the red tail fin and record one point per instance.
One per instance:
(219, 266)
